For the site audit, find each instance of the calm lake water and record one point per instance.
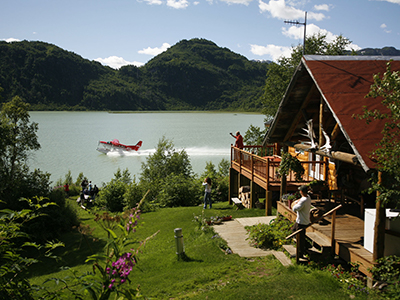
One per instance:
(69, 139)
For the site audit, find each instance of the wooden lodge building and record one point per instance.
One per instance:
(317, 122)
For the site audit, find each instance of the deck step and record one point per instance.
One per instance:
(319, 239)
(285, 261)
(290, 249)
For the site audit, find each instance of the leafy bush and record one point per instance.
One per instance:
(56, 219)
(13, 241)
(388, 271)
(112, 195)
(178, 191)
(133, 195)
(219, 179)
(270, 236)
(159, 167)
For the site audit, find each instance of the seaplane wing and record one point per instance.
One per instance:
(113, 145)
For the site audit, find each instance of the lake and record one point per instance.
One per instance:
(69, 139)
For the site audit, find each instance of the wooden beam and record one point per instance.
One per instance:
(380, 222)
(268, 203)
(335, 132)
(300, 113)
(283, 187)
(342, 156)
(321, 119)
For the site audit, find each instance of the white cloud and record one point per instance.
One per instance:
(312, 29)
(178, 4)
(244, 2)
(392, 1)
(156, 50)
(10, 40)
(325, 7)
(278, 9)
(296, 33)
(273, 51)
(154, 2)
(384, 26)
(116, 62)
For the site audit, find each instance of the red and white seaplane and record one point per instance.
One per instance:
(115, 145)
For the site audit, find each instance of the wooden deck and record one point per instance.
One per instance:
(264, 170)
(349, 234)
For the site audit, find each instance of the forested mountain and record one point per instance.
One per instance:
(385, 51)
(194, 74)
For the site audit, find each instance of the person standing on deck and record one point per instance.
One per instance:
(207, 192)
(239, 140)
(302, 208)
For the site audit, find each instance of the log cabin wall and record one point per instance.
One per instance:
(330, 177)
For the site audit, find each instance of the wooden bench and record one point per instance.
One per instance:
(237, 202)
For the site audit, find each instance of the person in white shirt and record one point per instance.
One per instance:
(207, 192)
(302, 207)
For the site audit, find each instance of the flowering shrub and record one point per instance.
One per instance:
(270, 236)
(351, 280)
(202, 222)
(111, 269)
(387, 271)
(222, 244)
(13, 247)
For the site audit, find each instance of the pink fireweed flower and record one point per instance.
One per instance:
(122, 267)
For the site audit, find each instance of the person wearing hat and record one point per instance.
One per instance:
(239, 140)
(302, 208)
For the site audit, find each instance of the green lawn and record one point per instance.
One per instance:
(207, 272)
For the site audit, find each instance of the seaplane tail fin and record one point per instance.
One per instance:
(139, 144)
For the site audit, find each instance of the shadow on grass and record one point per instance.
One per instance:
(222, 208)
(185, 258)
(78, 248)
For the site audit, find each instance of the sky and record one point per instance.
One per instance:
(122, 32)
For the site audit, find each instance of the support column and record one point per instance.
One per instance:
(380, 223)
(268, 203)
(283, 178)
(232, 184)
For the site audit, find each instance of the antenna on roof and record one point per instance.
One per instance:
(305, 25)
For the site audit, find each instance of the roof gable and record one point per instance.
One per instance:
(342, 82)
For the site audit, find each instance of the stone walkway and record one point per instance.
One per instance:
(235, 235)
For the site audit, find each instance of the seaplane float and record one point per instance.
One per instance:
(115, 145)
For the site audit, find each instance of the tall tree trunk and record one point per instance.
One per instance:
(380, 223)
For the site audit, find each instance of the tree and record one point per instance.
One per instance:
(387, 155)
(17, 138)
(279, 74)
(386, 182)
(165, 162)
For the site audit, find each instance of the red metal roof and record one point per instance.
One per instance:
(344, 81)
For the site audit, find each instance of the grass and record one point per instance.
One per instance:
(206, 272)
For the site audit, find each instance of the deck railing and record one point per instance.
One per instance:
(265, 168)
(333, 226)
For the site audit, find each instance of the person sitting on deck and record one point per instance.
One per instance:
(239, 140)
(302, 208)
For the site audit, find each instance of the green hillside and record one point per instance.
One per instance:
(191, 75)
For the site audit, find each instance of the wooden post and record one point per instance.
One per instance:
(283, 178)
(268, 203)
(321, 119)
(231, 185)
(380, 222)
(333, 225)
(252, 193)
(298, 247)
(252, 187)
